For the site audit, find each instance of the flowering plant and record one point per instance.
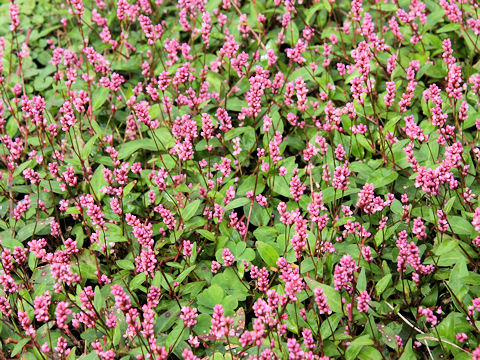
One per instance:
(231, 179)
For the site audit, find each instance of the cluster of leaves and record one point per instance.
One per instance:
(309, 166)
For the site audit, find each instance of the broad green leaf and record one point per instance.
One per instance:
(19, 346)
(168, 318)
(126, 264)
(206, 234)
(99, 97)
(92, 355)
(265, 233)
(356, 346)
(231, 284)
(98, 182)
(383, 176)
(235, 104)
(279, 185)
(449, 204)
(211, 296)
(333, 296)
(446, 246)
(268, 253)
(41, 227)
(448, 28)
(236, 203)
(388, 336)
(331, 325)
(183, 275)
(383, 283)
(130, 147)
(438, 70)
(40, 84)
(362, 280)
(460, 225)
(190, 209)
(86, 151)
(369, 352)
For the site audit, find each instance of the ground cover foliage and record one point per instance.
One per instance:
(262, 179)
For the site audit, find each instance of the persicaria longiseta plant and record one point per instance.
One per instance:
(264, 179)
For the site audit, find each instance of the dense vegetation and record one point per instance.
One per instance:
(263, 179)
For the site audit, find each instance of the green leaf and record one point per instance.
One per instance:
(230, 283)
(204, 321)
(438, 70)
(229, 303)
(456, 286)
(98, 181)
(279, 185)
(343, 221)
(236, 132)
(362, 140)
(168, 318)
(369, 352)
(39, 227)
(268, 253)
(446, 246)
(154, 111)
(330, 325)
(362, 280)
(447, 259)
(248, 184)
(408, 353)
(449, 204)
(98, 299)
(40, 84)
(448, 28)
(333, 297)
(236, 203)
(19, 346)
(96, 127)
(383, 283)
(383, 234)
(43, 275)
(356, 346)
(265, 233)
(137, 281)
(212, 4)
(27, 6)
(20, 168)
(235, 104)
(206, 234)
(130, 147)
(390, 125)
(88, 147)
(382, 177)
(459, 271)
(313, 10)
(7, 241)
(460, 225)
(99, 97)
(182, 276)
(164, 137)
(471, 279)
(386, 7)
(126, 264)
(329, 193)
(127, 189)
(388, 336)
(211, 296)
(88, 265)
(259, 215)
(90, 356)
(190, 209)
